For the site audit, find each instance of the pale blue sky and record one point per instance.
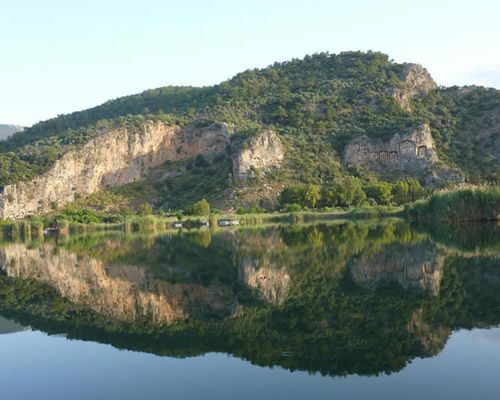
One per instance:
(58, 56)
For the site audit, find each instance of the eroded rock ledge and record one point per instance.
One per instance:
(260, 153)
(410, 152)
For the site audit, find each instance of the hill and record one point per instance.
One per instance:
(311, 121)
(9, 130)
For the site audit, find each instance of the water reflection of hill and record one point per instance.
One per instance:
(9, 326)
(337, 299)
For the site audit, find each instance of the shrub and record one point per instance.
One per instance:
(293, 207)
(201, 208)
(145, 209)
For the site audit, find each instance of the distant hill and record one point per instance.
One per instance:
(8, 130)
(9, 326)
(312, 121)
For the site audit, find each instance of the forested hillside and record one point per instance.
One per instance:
(316, 105)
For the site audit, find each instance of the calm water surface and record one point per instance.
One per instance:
(376, 309)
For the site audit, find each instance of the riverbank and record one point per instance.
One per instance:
(481, 203)
(64, 224)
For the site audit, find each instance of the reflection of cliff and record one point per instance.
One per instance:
(412, 266)
(125, 293)
(313, 313)
(271, 282)
(262, 269)
(432, 339)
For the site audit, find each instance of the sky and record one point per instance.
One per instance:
(60, 56)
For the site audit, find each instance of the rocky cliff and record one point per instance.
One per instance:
(415, 81)
(125, 155)
(262, 152)
(409, 153)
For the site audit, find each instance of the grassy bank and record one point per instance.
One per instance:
(462, 205)
(73, 223)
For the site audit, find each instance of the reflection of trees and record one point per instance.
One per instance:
(327, 319)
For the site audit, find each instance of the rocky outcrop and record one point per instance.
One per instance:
(417, 266)
(113, 158)
(259, 154)
(415, 81)
(407, 154)
(126, 293)
(125, 155)
(411, 152)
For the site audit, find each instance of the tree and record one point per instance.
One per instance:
(407, 191)
(312, 196)
(201, 208)
(350, 192)
(381, 192)
(400, 192)
(293, 195)
(345, 193)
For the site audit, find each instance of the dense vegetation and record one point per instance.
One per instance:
(467, 204)
(316, 105)
(351, 191)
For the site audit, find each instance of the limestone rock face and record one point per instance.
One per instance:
(416, 80)
(110, 159)
(125, 155)
(125, 293)
(410, 152)
(413, 267)
(261, 153)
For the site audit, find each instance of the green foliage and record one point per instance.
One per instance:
(350, 191)
(83, 216)
(201, 208)
(464, 123)
(407, 191)
(467, 204)
(294, 207)
(344, 193)
(250, 210)
(293, 195)
(145, 209)
(316, 105)
(312, 196)
(381, 192)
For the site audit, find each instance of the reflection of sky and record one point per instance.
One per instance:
(35, 365)
(491, 336)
